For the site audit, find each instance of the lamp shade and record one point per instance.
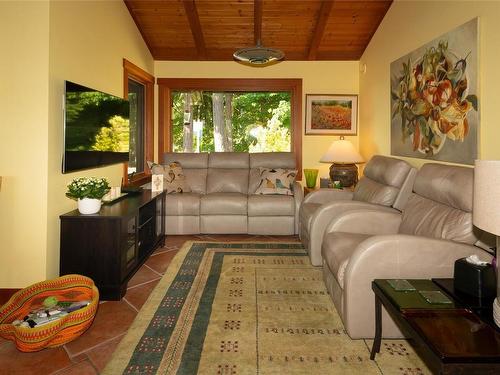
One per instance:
(486, 204)
(342, 152)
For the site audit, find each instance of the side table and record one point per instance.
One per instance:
(450, 338)
(308, 190)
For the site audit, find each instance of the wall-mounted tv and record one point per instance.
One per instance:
(96, 128)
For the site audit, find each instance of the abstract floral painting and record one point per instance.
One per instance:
(434, 103)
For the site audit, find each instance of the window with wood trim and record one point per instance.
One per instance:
(139, 90)
(176, 91)
(206, 121)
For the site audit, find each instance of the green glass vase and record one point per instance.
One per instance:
(311, 176)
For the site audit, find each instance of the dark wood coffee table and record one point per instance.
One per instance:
(450, 338)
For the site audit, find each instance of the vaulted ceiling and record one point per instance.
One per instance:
(215, 29)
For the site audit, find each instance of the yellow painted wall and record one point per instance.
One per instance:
(318, 77)
(49, 42)
(24, 65)
(88, 41)
(407, 26)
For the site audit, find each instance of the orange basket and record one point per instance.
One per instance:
(68, 288)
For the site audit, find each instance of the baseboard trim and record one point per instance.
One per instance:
(5, 294)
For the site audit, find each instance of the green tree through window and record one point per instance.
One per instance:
(231, 121)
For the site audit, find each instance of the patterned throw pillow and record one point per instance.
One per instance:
(174, 181)
(276, 181)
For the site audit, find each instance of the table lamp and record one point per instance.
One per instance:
(343, 157)
(486, 209)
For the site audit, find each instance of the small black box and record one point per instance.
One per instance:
(475, 280)
(324, 183)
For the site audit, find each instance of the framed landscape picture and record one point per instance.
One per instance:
(331, 114)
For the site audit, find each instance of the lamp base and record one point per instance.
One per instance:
(347, 174)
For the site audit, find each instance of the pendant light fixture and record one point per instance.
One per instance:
(258, 55)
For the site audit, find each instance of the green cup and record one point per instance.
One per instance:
(311, 176)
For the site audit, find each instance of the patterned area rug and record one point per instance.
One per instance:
(248, 308)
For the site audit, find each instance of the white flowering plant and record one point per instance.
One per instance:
(87, 187)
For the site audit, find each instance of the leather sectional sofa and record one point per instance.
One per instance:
(423, 242)
(223, 199)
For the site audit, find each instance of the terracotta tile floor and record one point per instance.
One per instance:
(89, 354)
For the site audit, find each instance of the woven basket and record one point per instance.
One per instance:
(58, 332)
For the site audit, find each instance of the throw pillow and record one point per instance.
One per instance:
(174, 180)
(276, 181)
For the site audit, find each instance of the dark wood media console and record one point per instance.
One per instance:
(110, 246)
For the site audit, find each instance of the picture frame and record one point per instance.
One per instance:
(437, 118)
(331, 114)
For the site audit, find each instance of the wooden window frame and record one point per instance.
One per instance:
(167, 85)
(132, 71)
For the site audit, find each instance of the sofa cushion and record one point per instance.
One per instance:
(253, 180)
(268, 205)
(196, 179)
(439, 183)
(194, 166)
(183, 204)
(224, 204)
(276, 181)
(425, 217)
(387, 171)
(307, 211)
(227, 181)
(337, 249)
(174, 180)
(382, 180)
(371, 191)
(231, 160)
(441, 204)
(189, 160)
(267, 160)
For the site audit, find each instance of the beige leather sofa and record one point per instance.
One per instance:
(223, 200)
(385, 186)
(424, 241)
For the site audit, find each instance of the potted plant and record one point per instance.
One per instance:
(88, 191)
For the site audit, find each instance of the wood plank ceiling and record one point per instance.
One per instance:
(214, 29)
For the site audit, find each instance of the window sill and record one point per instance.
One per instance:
(139, 179)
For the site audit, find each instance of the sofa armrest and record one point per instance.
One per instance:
(394, 257)
(328, 195)
(371, 219)
(332, 212)
(298, 196)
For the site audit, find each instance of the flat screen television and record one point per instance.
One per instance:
(96, 128)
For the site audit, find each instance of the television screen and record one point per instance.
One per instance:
(96, 128)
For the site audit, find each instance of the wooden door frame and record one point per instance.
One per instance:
(291, 85)
(132, 71)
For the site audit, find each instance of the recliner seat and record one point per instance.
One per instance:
(385, 186)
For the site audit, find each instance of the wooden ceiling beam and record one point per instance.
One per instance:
(324, 14)
(257, 21)
(195, 25)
